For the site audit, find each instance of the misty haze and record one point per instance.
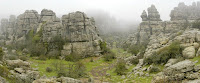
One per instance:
(100, 41)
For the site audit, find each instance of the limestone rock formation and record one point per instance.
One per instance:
(153, 14)
(81, 33)
(48, 15)
(178, 72)
(144, 16)
(26, 22)
(184, 12)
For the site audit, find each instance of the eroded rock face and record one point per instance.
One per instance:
(26, 22)
(81, 33)
(153, 14)
(48, 15)
(3, 80)
(144, 16)
(184, 12)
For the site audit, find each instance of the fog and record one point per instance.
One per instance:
(125, 12)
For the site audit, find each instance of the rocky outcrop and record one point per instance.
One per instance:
(184, 12)
(178, 72)
(26, 22)
(81, 33)
(48, 15)
(76, 28)
(153, 14)
(144, 16)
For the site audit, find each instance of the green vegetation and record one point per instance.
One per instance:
(73, 57)
(120, 67)
(1, 53)
(135, 49)
(48, 69)
(196, 24)
(164, 54)
(109, 56)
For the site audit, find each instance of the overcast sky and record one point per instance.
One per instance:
(129, 10)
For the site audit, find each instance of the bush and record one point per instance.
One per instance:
(164, 54)
(75, 70)
(48, 69)
(42, 57)
(196, 24)
(12, 57)
(109, 56)
(1, 54)
(120, 67)
(73, 57)
(154, 70)
(24, 58)
(103, 46)
(135, 61)
(135, 49)
(4, 71)
(54, 54)
(37, 50)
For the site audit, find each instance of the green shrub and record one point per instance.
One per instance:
(135, 61)
(12, 57)
(24, 58)
(120, 67)
(196, 24)
(103, 46)
(109, 56)
(48, 69)
(135, 49)
(163, 55)
(42, 57)
(154, 70)
(4, 71)
(91, 60)
(54, 54)
(73, 70)
(73, 57)
(37, 50)
(1, 54)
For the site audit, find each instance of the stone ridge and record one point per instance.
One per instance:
(153, 14)
(75, 27)
(184, 12)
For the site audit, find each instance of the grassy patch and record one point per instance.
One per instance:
(133, 79)
(42, 65)
(196, 59)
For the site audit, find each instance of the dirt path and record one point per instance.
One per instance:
(100, 71)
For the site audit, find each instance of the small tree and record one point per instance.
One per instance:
(120, 67)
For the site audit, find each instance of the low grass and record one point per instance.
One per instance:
(196, 59)
(133, 79)
(42, 65)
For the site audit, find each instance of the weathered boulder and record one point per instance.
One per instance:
(17, 63)
(180, 67)
(189, 52)
(170, 62)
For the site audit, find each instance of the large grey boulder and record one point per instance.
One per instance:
(180, 67)
(189, 52)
